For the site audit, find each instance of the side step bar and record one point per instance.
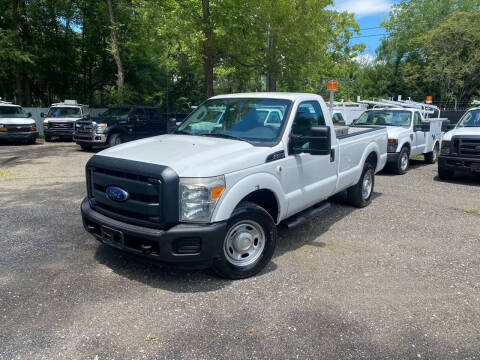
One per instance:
(307, 214)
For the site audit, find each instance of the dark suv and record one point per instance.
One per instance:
(122, 124)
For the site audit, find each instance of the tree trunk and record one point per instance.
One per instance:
(208, 61)
(18, 77)
(116, 49)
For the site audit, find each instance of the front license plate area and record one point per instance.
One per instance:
(112, 237)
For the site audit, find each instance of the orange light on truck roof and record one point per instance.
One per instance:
(332, 85)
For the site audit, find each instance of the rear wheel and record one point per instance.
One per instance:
(114, 139)
(401, 165)
(431, 157)
(249, 243)
(360, 195)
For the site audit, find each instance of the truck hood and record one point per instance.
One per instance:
(192, 156)
(62, 119)
(17, 121)
(462, 131)
(395, 132)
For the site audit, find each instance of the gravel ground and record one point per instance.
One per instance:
(399, 279)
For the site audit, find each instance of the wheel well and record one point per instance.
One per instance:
(407, 145)
(265, 199)
(372, 159)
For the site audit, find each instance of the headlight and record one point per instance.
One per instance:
(3, 128)
(33, 128)
(392, 145)
(198, 198)
(45, 123)
(446, 147)
(101, 128)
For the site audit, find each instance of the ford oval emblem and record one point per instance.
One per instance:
(116, 194)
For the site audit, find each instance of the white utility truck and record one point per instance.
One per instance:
(411, 132)
(61, 117)
(212, 196)
(461, 146)
(16, 124)
(346, 112)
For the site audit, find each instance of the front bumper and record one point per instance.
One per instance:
(19, 136)
(59, 133)
(184, 245)
(92, 139)
(392, 157)
(459, 163)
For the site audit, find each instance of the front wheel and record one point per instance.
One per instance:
(249, 243)
(445, 174)
(431, 157)
(400, 167)
(48, 138)
(360, 195)
(114, 139)
(86, 147)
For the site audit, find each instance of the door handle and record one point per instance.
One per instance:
(332, 155)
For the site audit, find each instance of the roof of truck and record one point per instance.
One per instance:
(266, 95)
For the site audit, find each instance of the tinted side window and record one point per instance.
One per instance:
(309, 114)
(155, 114)
(417, 119)
(337, 118)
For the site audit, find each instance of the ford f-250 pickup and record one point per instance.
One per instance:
(212, 196)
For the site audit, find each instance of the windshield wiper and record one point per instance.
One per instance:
(226, 136)
(181, 132)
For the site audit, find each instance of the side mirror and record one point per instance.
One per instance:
(42, 115)
(29, 114)
(317, 142)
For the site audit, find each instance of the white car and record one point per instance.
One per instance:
(214, 198)
(409, 134)
(16, 124)
(461, 147)
(61, 117)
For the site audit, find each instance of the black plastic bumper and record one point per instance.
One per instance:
(459, 163)
(23, 136)
(59, 133)
(183, 245)
(392, 157)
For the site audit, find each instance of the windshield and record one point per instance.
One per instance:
(12, 112)
(114, 112)
(56, 112)
(470, 119)
(385, 117)
(256, 120)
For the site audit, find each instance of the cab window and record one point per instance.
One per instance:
(417, 119)
(309, 114)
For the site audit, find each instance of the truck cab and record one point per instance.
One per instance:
(212, 193)
(460, 150)
(61, 117)
(121, 124)
(409, 133)
(16, 124)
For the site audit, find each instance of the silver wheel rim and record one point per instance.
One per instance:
(404, 161)
(118, 141)
(244, 243)
(435, 153)
(367, 184)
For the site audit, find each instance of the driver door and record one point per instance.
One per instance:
(308, 179)
(419, 136)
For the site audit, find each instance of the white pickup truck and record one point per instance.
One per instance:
(461, 147)
(61, 118)
(409, 132)
(211, 196)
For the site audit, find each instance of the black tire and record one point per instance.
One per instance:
(245, 213)
(431, 157)
(86, 147)
(356, 195)
(399, 167)
(114, 139)
(31, 141)
(445, 174)
(48, 138)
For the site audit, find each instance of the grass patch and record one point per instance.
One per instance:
(471, 211)
(5, 172)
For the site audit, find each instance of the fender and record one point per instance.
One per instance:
(246, 186)
(116, 128)
(372, 147)
(404, 142)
